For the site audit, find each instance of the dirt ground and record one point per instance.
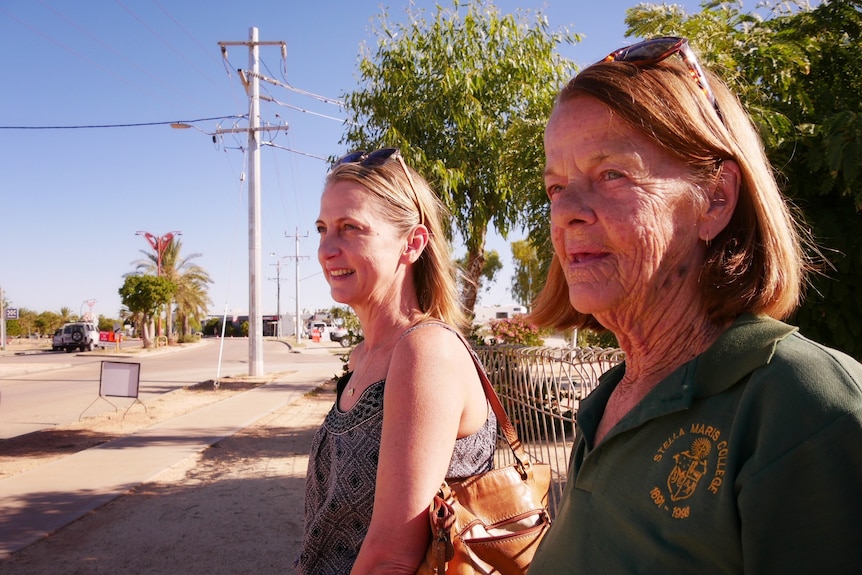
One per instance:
(235, 508)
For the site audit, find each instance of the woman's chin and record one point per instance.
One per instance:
(588, 303)
(339, 298)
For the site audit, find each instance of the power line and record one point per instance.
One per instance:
(298, 109)
(106, 46)
(165, 41)
(80, 56)
(324, 99)
(195, 40)
(134, 125)
(294, 151)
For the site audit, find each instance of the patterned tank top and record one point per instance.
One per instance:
(342, 469)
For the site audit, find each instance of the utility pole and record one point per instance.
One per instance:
(277, 279)
(252, 85)
(297, 257)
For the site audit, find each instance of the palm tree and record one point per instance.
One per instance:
(191, 297)
(137, 320)
(65, 315)
(190, 279)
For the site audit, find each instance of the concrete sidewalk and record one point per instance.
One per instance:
(38, 502)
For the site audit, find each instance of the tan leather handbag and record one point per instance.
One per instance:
(490, 523)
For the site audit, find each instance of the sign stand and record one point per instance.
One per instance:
(118, 379)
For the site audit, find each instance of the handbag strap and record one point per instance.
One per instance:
(502, 417)
(493, 399)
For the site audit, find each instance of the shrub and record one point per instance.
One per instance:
(515, 330)
(590, 338)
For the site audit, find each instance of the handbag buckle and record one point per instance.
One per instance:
(524, 468)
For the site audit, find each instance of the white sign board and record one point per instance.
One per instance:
(120, 379)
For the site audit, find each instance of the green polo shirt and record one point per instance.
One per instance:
(747, 459)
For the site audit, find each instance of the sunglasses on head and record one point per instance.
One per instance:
(655, 50)
(367, 159)
(378, 158)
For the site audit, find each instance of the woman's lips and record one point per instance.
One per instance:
(585, 256)
(340, 272)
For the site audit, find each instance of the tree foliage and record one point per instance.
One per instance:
(465, 95)
(190, 281)
(46, 323)
(798, 71)
(490, 267)
(349, 321)
(144, 295)
(529, 275)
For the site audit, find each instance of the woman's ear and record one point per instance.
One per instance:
(417, 239)
(723, 198)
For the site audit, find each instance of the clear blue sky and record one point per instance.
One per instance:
(72, 199)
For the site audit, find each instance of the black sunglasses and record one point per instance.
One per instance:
(367, 159)
(655, 50)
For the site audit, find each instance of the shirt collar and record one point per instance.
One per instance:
(747, 345)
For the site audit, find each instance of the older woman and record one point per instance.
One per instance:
(727, 442)
(411, 411)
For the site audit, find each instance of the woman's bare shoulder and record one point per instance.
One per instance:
(432, 336)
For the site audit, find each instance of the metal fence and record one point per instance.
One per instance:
(540, 388)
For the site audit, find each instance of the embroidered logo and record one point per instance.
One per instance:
(690, 467)
(689, 455)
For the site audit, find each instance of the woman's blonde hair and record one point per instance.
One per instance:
(758, 262)
(406, 200)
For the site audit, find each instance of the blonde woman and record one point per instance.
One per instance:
(411, 411)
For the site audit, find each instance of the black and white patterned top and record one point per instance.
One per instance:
(339, 488)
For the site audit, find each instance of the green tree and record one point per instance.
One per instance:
(105, 323)
(191, 299)
(13, 328)
(47, 322)
(143, 296)
(65, 315)
(465, 96)
(799, 73)
(345, 316)
(190, 280)
(24, 326)
(490, 267)
(529, 273)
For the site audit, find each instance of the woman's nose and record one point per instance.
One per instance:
(570, 206)
(326, 248)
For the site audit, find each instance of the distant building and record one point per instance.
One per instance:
(482, 315)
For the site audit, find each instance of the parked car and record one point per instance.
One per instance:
(340, 335)
(57, 341)
(78, 335)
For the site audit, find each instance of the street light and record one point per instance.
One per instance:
(90, 303)
(159, 243)
(185, 126)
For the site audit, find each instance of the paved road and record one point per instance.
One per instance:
(63, 387)
(40, 501)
